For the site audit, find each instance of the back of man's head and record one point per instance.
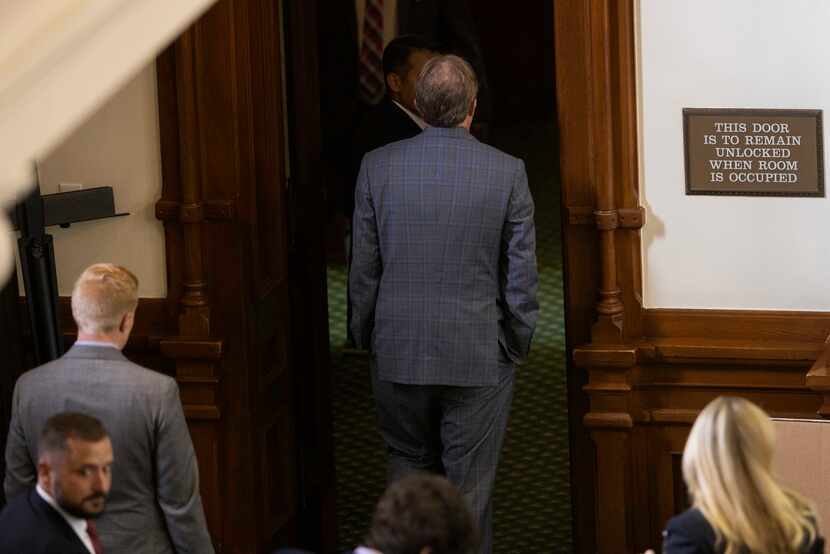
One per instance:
(103, 294)
(397, 53)
(422, 513)
(446, 91)
(54, 438)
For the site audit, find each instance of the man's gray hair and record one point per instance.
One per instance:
(445, 91)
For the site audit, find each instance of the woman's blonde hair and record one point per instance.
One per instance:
(727, 468)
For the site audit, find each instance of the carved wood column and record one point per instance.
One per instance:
(609, 326)
(182, 209)
(609, 355)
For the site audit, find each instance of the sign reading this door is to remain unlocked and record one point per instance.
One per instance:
(753, 152)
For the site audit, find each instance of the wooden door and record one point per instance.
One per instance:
(254, 396)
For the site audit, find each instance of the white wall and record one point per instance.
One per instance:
(117, 146)
(730, 252)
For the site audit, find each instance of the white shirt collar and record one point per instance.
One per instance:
(77, 524)
(364, 550)
(96, 343)
(415, 117)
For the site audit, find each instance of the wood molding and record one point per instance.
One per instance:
(753, 325)
(637, 377)
(151, 325)
(246, 276)
(596, 92)
(818, 378)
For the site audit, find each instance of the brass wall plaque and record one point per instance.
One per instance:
(748, 152)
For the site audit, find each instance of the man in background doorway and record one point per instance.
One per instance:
(396, 117)
(352, 37)
(443, 289)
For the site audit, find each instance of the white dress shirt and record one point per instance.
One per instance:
(415, 117)
(77, 524)
(364, 550)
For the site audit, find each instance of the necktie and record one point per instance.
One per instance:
(93, 536)
(371, 53)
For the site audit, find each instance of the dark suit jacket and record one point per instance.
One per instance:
(379, 126)
(29, 525)
(443, 278)
(154, 505)
(690, 533)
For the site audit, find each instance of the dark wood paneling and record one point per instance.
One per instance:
(644, 398)
(581, 253)
(239, 340)
(753, 325)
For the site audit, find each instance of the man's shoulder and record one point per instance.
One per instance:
(690, 528)
(24, 528)
(18, 510)
(113, 366)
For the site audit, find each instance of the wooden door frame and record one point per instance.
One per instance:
(638, 377)
(596, 95)
(214, 152)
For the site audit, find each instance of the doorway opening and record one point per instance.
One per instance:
(532, 498)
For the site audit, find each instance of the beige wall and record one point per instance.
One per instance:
(720, 251)
(117, 146)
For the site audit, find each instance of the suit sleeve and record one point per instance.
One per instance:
(366, 267)
(21, 474)
(178, 478)
(519, 279)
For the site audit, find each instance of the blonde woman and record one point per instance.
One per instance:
(738, 507)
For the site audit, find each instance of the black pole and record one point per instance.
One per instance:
(37, 260)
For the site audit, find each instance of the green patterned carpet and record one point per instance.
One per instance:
(532, 506)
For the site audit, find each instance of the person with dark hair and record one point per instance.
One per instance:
(73, 479)
(421, 514)
(395, 117)
(443, 288)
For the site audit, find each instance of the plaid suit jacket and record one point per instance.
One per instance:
(443, 278)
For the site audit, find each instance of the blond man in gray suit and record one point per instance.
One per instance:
(154, 506)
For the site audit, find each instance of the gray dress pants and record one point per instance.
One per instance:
(451, 430)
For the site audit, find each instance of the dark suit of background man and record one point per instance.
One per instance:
(395, 117)
(443, 288)
(155, 506)
(73, 478)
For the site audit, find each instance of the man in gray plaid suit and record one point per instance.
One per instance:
(154, 505)
(443, 288)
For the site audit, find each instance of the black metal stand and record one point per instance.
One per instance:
(37, 259)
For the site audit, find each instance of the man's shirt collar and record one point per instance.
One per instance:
(77, 524)
(96, 343)
(413, 116)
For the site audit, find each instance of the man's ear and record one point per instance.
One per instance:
(44, 475)
(127, 321)
(393, 82)
(473, 107)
